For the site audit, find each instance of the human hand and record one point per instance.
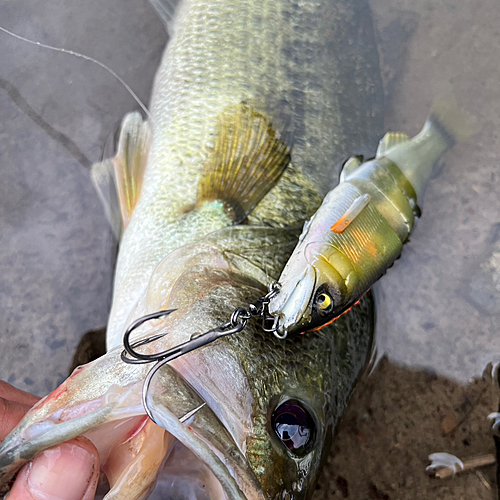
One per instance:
(69, 471)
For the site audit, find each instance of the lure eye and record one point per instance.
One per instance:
(294, 426)
(324, 302)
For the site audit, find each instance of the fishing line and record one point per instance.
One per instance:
(83, 56)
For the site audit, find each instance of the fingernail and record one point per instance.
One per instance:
(61, 473)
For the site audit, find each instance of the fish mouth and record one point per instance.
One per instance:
(197, 456)
(205, 463)
(186, 476)
(291, 304)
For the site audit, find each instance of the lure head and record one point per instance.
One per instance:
(313, 291)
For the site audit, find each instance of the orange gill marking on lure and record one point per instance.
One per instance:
(334, 319)
(341, 224)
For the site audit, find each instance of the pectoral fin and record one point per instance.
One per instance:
(247, 160)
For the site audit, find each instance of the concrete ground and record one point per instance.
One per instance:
(56, 251)
(438, 306)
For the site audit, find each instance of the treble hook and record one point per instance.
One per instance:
(129, 348)
(237, 322)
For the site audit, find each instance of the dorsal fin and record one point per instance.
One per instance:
(166, 10)
(390, 140)
(103, 178)
(247, 160)
(118, 181)
(351, 213)
(130, 162)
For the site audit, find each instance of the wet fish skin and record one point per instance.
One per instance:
(319, 370)
(311, 66)
(310, 70)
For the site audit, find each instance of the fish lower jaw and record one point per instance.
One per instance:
(196, 469)
(186, 476)
(127, 439)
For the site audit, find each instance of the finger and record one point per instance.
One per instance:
(7, 391)
(69, 471)
(11, 413)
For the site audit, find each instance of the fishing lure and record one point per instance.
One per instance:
(362, 224)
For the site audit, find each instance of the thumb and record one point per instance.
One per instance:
(69, 471)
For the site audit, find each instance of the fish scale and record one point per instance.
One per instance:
(207, 234)
(209, 67)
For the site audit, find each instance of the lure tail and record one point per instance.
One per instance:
(445, 126)
(450, 121)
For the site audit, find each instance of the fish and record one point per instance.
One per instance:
(254, 106)
(361, 227)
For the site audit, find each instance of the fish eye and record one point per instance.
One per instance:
(324, 302)
(294, 426)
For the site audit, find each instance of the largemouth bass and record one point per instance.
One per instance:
(361, 227)
(255, 106)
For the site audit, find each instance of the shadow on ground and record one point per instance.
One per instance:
(397, 417)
